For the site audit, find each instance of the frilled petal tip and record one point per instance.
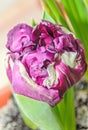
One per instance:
(19, 37)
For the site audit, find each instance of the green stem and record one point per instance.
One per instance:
(70, 110)
(67, 111)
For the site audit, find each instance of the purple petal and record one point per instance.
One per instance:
(19, 37)
(22, 84)
(9, 69)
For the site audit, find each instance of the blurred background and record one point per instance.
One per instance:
(13, 12)
(75, 17)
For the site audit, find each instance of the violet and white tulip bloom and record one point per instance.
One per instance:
(44, 61)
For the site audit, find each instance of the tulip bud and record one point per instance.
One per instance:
(47, 61)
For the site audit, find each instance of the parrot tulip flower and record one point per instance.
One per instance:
(44, 61)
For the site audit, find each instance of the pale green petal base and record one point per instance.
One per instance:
(28, 122)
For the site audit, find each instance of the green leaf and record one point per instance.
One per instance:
(67, 111)
(47, 17)
(70, 121)
(52, 8)
(77, 12)
(33, 23)
(38, 112)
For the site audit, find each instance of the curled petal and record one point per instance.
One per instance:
(68, 76)
(36, 63)
(45, 32)
(19, 37)
(23, 84)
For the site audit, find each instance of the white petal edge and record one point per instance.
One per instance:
(52, 78)
(25, 75)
